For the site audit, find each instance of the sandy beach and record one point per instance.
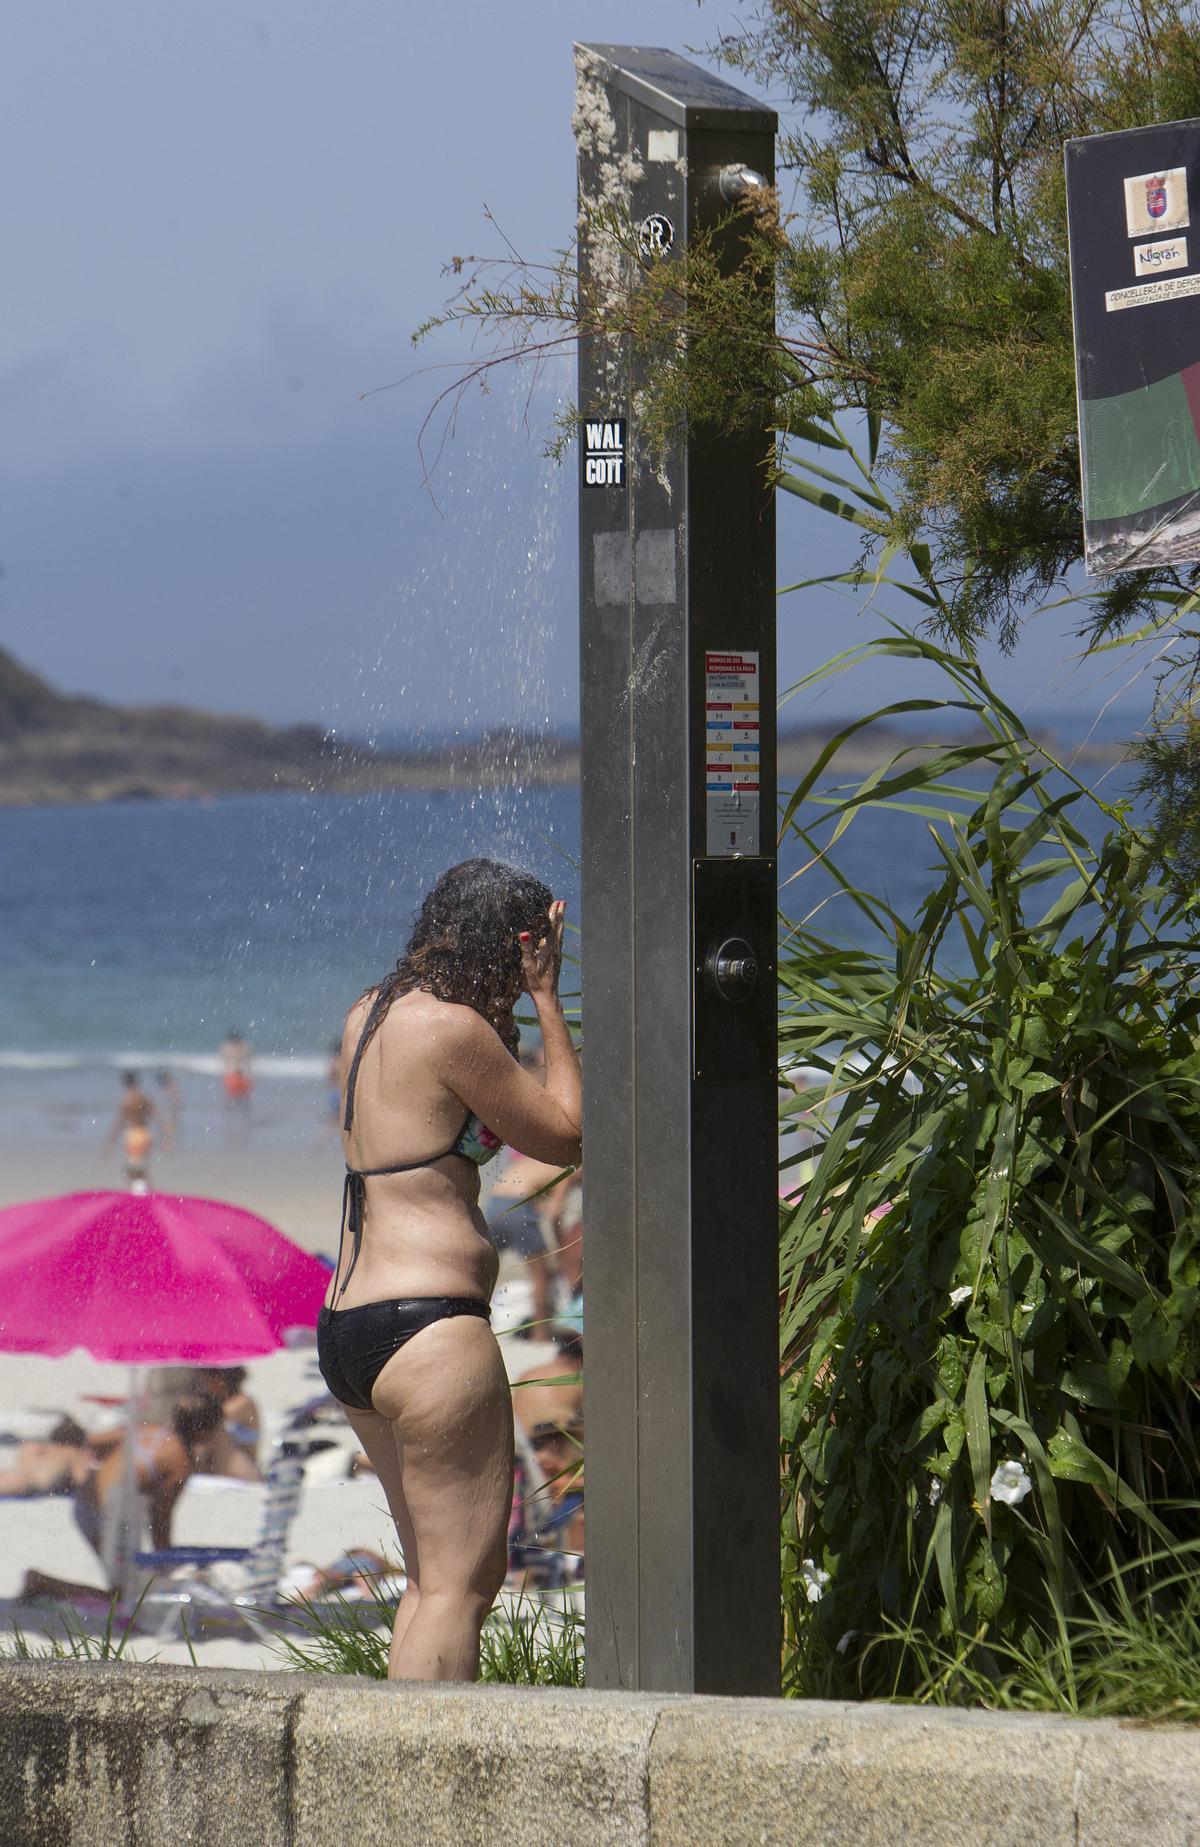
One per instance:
(299, 1189)
(296, 1188)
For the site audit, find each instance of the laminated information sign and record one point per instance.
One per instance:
(733, 749)
(1135, 284)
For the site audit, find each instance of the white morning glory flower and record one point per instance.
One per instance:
(814, 1580)
(960, 1295)
(935, 1490)
(1010, 1484)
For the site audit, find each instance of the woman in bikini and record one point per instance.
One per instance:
(433, 1090)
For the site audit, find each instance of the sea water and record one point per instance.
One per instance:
(139, 935)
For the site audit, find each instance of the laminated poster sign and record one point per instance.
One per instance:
(1133, 213)
(733, 748)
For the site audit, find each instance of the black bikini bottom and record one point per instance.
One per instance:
(355, 1344)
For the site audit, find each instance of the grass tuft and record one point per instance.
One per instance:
(527, 1643)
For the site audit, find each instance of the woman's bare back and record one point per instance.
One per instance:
(428, 1068)
(423, 1232)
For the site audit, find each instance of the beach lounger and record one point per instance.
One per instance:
(227, 1583)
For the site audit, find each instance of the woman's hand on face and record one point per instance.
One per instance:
(541, 961)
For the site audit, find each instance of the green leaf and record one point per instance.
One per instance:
(979, 1436)
(828, 502)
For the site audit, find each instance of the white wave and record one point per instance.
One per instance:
(40, 1061)
(307, 1067)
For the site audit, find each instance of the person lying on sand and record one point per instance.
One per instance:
(164, 1461)
(358, 1569)
(58, 1465)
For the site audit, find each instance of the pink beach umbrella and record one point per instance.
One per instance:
(149, 1279)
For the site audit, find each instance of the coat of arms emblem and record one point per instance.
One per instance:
(1156, 194)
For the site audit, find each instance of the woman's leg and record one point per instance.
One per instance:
(378, 1438)
(447, 1396)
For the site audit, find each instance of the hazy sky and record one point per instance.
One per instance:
(220, 225)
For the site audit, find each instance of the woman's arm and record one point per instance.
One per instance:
(540, 1120)
(171, 1468)
(542, 963)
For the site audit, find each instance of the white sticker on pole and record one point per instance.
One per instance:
(733, 752)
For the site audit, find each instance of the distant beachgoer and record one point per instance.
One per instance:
(548, 1403)
(357, 1569)
(521, 1214)
(552, 1393)
(172, 1100)
(568, 1230)
(403, 1340)
(522, 1208)
(554, 1512)
(134, 1126)
(333, 1090)
(58, 1465)
(236, 1071)
(232, 1448)
(164, 1461)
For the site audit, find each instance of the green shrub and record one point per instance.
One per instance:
(992, 1274)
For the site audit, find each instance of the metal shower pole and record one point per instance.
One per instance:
(677, 613)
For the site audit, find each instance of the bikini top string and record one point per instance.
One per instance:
(354, 1189)
(378, 1009)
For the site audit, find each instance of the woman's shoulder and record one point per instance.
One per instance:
(452, 1023)
(449, 1027)
(452, 1033)
(358, 1010)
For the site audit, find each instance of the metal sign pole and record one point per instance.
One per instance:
(677, 610)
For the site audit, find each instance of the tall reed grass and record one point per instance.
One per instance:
(991, 1270)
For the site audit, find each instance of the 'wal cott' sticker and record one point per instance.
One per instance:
(604, 452)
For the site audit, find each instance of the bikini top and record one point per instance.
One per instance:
(474, 1142)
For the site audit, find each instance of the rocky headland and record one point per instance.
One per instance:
(59, 748)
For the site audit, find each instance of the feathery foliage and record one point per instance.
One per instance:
(929, 253)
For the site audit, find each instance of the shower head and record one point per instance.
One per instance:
(737, 180)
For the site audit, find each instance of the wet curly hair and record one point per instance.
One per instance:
(464, 944)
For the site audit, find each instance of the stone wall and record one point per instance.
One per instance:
(152, 1756)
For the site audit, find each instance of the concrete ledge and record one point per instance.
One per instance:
(497, 1766)
(112, 1754)
(151, 1756)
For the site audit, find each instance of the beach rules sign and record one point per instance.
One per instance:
(733, 751)
(1132, 205)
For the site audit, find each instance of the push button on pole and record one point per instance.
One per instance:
(732, 968)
